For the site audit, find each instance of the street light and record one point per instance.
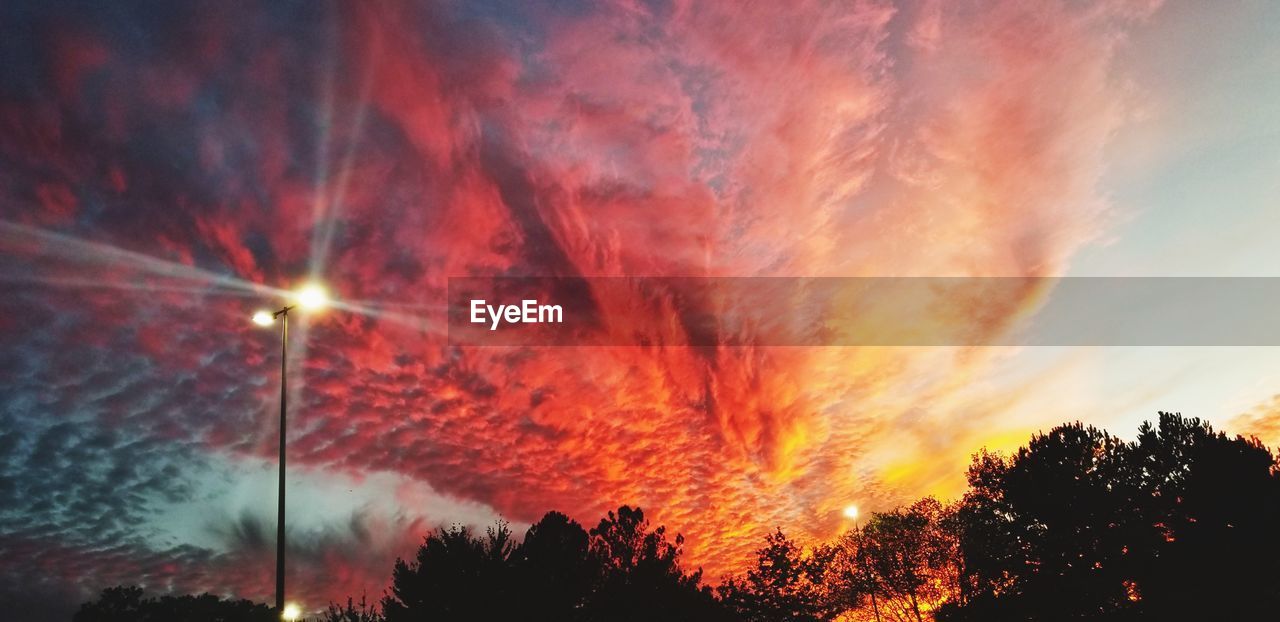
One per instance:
(310, 297)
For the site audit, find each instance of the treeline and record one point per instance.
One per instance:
(1182, 523)
(127, 604)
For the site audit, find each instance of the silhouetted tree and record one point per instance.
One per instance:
(786, 584)
(554, 570)
(114, 604)
(1183, 523)
(908, 557)
(455, 576)
(127, 604)
(621, 570)
(913, 554)
(1211, 513)
(1048, 528)
(848, 579)
(640, 574)
(1079, 525)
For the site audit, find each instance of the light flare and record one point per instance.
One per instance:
(312, 297)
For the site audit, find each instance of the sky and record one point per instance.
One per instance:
(166, 170)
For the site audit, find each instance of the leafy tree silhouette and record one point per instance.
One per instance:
(785, 585)
(912, 552)
(1080, 525)
(640, 574)
(1212, 514)
(848, 579)
(1050, 526)
(621, 570)
(554, 570)
(455, 576)
(909, 556)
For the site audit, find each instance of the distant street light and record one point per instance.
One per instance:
(311, 297)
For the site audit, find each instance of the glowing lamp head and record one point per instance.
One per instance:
(263, 318)
(291, 612)
(312, 297)
(851, 512)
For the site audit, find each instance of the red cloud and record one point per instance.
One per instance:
(404, 145)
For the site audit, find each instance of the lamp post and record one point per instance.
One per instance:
(851, 512)
(310, 297)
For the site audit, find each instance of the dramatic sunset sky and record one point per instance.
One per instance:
(166, 170)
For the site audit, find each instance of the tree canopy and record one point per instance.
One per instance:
(1180, 523)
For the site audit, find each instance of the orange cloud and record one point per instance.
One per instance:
(1263, 423)
(694, 139)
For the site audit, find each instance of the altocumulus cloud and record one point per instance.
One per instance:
(390, 146)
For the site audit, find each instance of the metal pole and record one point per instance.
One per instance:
(871, 582)
(284, 384)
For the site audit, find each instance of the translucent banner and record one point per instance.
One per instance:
(923, 311)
